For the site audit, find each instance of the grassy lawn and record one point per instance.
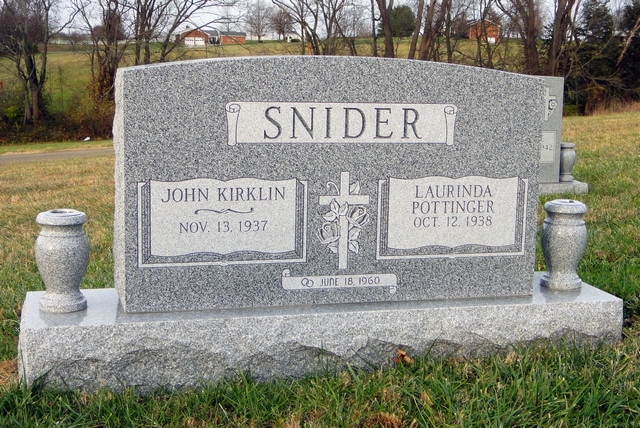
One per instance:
(538, 385)
(53, 146)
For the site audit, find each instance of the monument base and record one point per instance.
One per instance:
(103, 347)
(575, 186)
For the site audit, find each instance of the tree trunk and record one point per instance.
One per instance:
(34, 108)
(385, 21)
(428, 34)
(416, 30)
(561, 22)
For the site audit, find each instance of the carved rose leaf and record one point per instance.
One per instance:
(343, 209)
(354, 233)
(334, 206)
(354, 188)
(354, 247)
(330, 216)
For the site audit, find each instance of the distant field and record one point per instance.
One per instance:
(69, 68)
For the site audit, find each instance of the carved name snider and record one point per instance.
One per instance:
(274, 122)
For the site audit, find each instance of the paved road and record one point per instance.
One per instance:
(62, 154)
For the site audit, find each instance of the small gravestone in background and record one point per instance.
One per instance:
(283, 226)
(556, 157)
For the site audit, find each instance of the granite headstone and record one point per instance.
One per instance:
(280, 181)
(553, 152)
(551, 130)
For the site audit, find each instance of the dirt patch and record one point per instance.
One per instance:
(8, 372)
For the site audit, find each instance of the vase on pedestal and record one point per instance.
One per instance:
(62, 255)
(567, 161)
(564, 239)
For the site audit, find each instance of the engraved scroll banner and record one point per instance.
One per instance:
(276, 122)
(200, 218)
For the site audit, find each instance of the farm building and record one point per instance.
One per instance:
(219, 37)
(486, 31)
(193, 38)
(203, 37)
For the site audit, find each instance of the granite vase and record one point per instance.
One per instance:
(564, 239)
(62, 255)
(567, 161)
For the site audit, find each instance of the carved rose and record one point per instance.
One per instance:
(329, 234)
(357, 216)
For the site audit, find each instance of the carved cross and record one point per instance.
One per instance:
(344, 198)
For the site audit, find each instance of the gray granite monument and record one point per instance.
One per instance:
(557, 158)
(286, 215)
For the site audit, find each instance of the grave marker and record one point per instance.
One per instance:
(553, 152)
(284, 225)
(325, 181)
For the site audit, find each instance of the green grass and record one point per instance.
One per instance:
(53, 146)
(538, 385)
(541, 386)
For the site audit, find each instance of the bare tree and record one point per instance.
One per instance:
(431, 29)
(26, 26)
(384, 8)
(526, 18)
(281, 22)
(258, 18)
(322, 23)
(488, 21)
(563, 25)
(632, 29)
(416, 30)
(297, 10)
(455, 13)
(109, 42)
(158, 20)
(333, 20)
(352, 24)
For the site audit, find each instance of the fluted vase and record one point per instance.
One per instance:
(62, 255)
(567, 161)
(564, 239)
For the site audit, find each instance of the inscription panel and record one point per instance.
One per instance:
(437, 216)
(213, 221)
(271, 122)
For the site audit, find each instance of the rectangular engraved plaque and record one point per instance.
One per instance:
(328, 282)
(208, 221)
(442, 216)
(548, 147)
(282, 122)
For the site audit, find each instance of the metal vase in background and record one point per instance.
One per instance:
(62, 254)
(567, 161)
(564, 239)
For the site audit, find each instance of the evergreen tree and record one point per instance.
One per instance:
(629, 60)
(593, 80)
(403, 22)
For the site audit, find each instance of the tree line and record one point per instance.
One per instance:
(595, 45)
